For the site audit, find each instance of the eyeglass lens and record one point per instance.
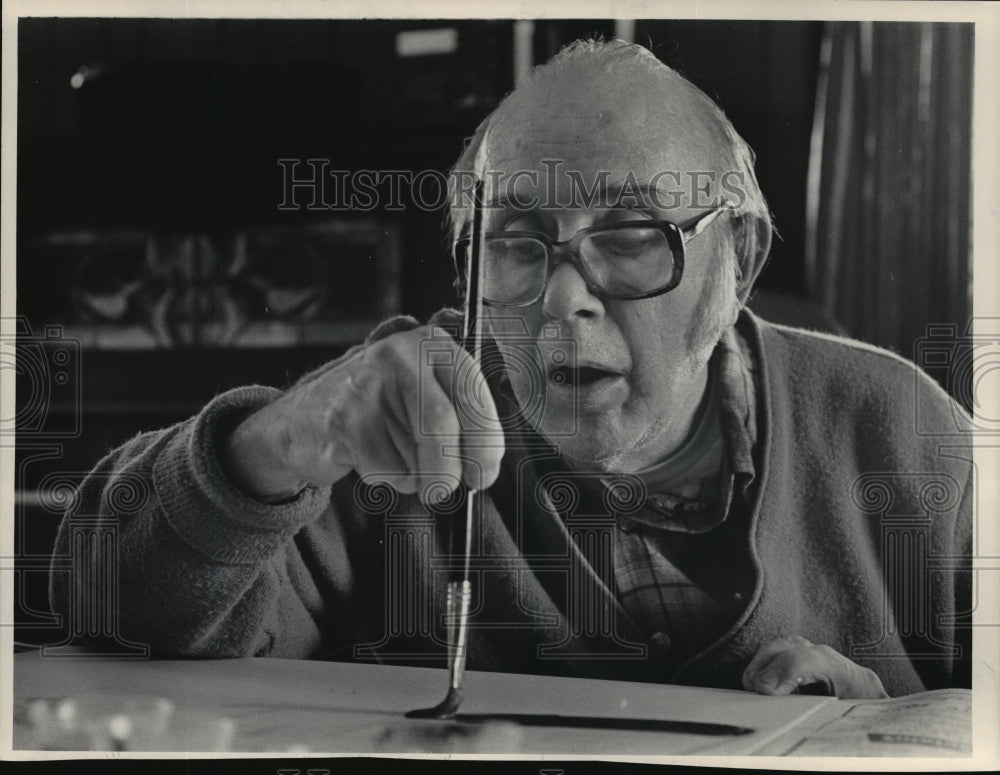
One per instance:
(630, 261)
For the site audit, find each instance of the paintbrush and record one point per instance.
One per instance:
(459, 593)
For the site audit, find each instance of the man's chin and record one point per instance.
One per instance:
(588, 447)
(591, 439)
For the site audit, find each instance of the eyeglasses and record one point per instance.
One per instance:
(629, 260)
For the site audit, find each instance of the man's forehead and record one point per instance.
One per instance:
(624, 121)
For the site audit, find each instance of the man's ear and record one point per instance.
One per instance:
(753, 247)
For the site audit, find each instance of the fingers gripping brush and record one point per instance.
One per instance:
(459, 593)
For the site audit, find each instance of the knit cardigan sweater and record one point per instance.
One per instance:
(861, 516)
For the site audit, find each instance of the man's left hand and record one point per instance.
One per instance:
(786, 665)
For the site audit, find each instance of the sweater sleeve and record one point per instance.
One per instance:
(197, 566)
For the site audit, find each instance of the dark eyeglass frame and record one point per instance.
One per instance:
(678, 235)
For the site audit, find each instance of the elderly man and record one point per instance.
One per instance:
(675, 490)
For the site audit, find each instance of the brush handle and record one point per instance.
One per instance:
(459, 586)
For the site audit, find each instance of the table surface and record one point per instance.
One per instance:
(339, 708)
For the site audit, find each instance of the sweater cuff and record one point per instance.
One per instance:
(205, 509)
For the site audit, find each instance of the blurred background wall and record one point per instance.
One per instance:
(156, 266)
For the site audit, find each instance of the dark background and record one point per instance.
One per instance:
(179, 133)
(183, 128)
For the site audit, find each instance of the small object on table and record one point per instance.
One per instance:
(119, 730)
(114, 722)
(98, 722)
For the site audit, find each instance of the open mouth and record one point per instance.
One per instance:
(581, 376)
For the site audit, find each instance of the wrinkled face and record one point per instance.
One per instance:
(641, 366)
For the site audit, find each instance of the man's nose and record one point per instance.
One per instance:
(567, 295)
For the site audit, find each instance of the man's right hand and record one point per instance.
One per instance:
(381, 413)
